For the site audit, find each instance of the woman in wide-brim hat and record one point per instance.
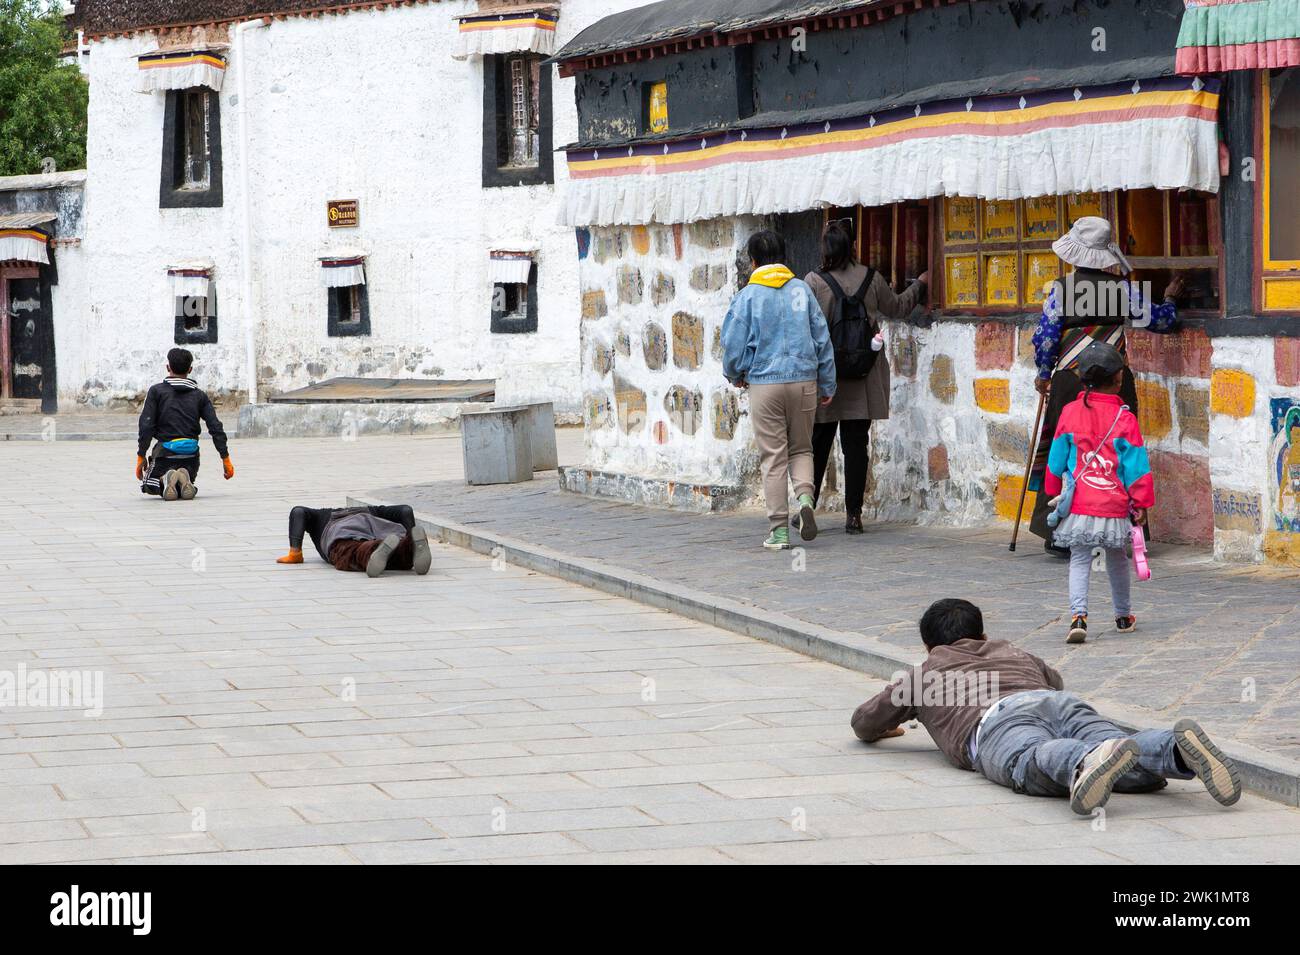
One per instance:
(1094, 302)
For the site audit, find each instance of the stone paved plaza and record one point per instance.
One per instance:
(260, 713)
(1214, 642)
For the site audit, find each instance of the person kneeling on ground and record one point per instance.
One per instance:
(170, 417)
(993, 708)
(373, 539)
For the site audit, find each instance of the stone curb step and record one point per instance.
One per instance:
(76, 436)
(81, 436)
(1263, 774)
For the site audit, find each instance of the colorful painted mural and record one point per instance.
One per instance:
(1284, 460)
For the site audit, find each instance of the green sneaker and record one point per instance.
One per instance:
(807, 522)
(779, 539)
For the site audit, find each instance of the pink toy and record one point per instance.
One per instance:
(1140, 554)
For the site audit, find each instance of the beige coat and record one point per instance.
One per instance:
(863, 397)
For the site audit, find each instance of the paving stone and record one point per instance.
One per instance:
(487, 696)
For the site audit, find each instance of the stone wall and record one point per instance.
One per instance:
(1217, 413)
(655, 403)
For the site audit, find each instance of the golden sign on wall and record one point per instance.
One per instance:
(959, 218)
(1083, 204)
(658, 108)
(1000, 221)
(343, 213)
(1001, 279)
(1041, 220)
(961, 280)
(1040, 270)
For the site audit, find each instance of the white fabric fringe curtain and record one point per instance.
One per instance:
(1162, 153)
(191, 285)
(334, 275)
(182, 76)
(510, 268)
(480, 40)
(22, 246)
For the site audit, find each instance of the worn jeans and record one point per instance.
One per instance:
(1035, 747)
(1116, 570)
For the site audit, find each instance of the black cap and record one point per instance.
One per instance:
(1099, 361)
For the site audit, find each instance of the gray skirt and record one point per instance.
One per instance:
(1086, 530)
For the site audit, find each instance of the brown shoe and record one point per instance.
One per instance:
(853, 524)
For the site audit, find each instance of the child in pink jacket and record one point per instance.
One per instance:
(1098, 443)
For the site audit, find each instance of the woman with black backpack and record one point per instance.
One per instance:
(854, 297)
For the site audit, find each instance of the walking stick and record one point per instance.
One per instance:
(1029, 465)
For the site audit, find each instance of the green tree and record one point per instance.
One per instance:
(42, 100)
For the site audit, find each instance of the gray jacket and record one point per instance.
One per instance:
(354, 526)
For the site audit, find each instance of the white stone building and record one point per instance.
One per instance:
(206, 198)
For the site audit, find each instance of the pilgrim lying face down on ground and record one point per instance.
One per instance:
(371, 539)
(1004, 713)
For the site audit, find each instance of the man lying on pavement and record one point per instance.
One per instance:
(373, 539)
(993, 708)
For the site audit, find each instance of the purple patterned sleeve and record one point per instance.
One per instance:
(1047, 337)
(1162, 318)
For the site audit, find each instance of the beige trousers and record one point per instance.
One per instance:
(783, 423)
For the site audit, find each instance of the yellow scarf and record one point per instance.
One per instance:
(773, 276)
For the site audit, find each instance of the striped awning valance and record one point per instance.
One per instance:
(342, 269)
(515, 30)
(1219, 35)
(190, 279)
(180, 70)
(1159, 133)
(510, 266)
(24, 245)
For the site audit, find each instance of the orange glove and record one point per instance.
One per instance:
(139, 468)
(228, 468)
(293, 557)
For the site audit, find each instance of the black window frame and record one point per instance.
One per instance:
(203, 336)
(171, 193)
(336, 327)
(496, 125)
(510, 323)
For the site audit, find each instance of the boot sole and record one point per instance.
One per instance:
(1093, 791)
(1215, 770)
(423, 556)
(807, 524)
(169, 486)
(187, 488)
(1077, 636)
(378, 562)
(767, 546)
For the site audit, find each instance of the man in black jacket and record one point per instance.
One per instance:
(170, 418)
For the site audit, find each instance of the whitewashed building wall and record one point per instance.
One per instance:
(368, 105)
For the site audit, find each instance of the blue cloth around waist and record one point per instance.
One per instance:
(182, 446)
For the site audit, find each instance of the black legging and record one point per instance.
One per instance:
(854, 435)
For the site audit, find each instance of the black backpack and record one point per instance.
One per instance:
(851, 328)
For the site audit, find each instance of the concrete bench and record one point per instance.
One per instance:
(496, 444)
